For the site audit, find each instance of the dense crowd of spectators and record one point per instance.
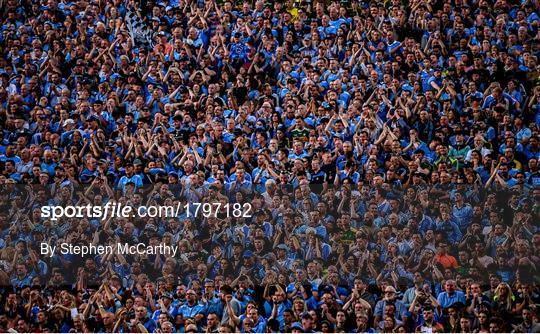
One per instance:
(389, 152)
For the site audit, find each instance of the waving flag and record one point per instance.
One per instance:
(140, 33)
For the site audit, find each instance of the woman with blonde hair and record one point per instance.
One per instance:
(299, 307)
(68, 300)
(504, 301)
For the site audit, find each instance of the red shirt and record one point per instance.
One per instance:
(447, 261)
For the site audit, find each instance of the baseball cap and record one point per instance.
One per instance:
(167, 295)
(296, 325)
(68, 121)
